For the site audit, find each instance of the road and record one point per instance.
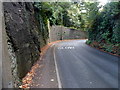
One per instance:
(81, 66)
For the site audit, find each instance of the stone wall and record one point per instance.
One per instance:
(63, 33)
(6, 78)
(23, 37)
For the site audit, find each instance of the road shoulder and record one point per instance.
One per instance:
(45, 75)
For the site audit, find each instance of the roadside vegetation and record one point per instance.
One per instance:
(101, 22)
(104, 30)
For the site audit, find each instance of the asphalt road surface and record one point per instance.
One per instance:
(81, 66)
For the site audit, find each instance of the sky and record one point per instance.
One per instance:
(103, 2)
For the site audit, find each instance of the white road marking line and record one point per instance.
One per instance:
(52, 45)
(57, 72)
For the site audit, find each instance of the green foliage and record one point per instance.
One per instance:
(88, 42)
(106, 26)
(109, 48)
(43, 12)
(102, 25)
(105, 35)
(116, 32)
(62, 13)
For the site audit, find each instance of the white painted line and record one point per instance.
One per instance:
(52, 45)
(57, 72)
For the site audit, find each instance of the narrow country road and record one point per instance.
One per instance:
(81, 66)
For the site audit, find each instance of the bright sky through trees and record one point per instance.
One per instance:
(103, 2)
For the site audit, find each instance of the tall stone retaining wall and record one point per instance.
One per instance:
(64, 33)
(23, 38)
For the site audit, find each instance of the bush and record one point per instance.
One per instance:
(88, 42)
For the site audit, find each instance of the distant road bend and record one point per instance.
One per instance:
(81, 66)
